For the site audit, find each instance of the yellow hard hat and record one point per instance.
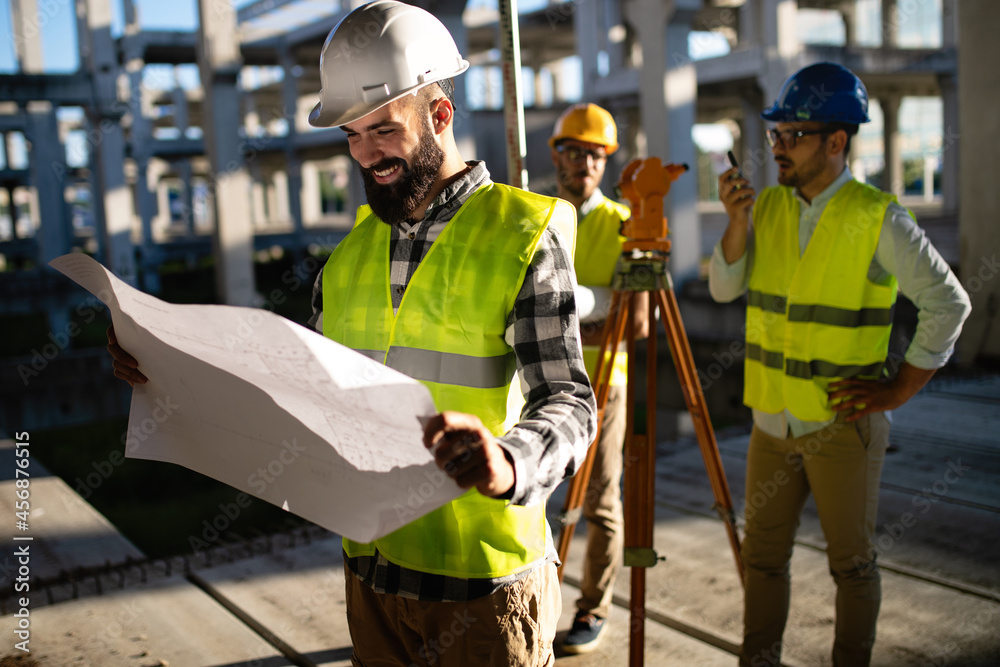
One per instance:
(589, 123)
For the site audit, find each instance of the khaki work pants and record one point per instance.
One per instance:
(840, 465)
(602, 508)
(513, 627)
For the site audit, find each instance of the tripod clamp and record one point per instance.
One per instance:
(642, 271)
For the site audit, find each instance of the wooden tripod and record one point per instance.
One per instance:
(642, 268)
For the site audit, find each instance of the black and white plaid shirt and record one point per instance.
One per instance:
(558, 421)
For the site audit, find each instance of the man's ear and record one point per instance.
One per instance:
(837, 142)
(442, 114)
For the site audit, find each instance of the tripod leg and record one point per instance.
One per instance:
(640, 492)
(611, 337)
(680, 350)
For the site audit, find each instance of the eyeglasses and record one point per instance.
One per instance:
(787, 138)
(579, 153)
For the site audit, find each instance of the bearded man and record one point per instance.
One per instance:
(457, 282)
(821, 262)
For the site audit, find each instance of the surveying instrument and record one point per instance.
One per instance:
(643, 268)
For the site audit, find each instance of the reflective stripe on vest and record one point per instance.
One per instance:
(598, 249)
(816, 318)
(449, 334)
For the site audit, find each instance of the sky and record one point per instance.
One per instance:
(57, 20)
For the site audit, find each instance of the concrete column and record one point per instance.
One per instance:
(180, 103)
(929, 163)
(949, 23)
(99, 56)
(275, 212)
(667, 98)
(278, 196)
(849, 14)
(260, 218)
(311, 208)
(587, 31)
(164, 219)
(950, 145)
(649, 18)
(538, 85)
(147, 205)
(48, 170)
(141, 135)
(293, 166)
(187, 195)
(749, 24)
(779, 39)
(616, 50)
(14, 214)
(979, 98)
(681, 87)
(755, 156)
(294, 184)
(27, 34)
(784, 30)
(465, 135)
(890, 24)
(11, 212)
(893, 174)
(219, 62)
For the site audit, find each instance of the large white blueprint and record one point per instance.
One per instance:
(274, 409)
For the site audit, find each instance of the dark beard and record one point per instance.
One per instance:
(396, 202)
(566, 181)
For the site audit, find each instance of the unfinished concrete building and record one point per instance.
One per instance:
(229, 167)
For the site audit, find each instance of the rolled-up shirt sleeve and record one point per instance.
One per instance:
(728, 282)
(558, 421)
(925, 278)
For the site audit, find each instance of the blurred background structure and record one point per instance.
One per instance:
(161, 137)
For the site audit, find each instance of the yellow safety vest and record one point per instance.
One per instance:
(598, 248)
(449, 333)
(817, 318)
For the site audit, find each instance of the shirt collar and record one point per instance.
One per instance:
(592, 202)
(456, 193)
(822, 199)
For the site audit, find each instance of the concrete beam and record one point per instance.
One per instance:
(260, 8)
(60, 89)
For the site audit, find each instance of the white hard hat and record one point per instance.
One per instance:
(378, 53)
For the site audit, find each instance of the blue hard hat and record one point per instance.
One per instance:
(825, 92)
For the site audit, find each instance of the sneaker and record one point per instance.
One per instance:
(585, 634)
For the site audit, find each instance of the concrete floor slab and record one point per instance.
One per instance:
(166, 622)
(941, 576)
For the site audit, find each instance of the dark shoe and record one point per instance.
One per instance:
(585, 634)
